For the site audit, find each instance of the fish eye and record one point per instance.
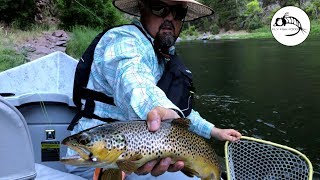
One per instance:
(83, 139)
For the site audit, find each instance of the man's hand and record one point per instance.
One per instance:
(157, 114)
(156, 167)
(225, 134)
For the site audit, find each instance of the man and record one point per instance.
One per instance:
(129, 62)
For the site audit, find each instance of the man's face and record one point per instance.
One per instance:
(163, 20)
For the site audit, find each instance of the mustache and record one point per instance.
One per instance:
(167, 24)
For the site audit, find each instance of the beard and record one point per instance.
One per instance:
(165, 39)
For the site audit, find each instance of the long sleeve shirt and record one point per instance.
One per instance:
(126, 68)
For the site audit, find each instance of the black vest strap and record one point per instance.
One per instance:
(88, 112)
(80, 90)
(176, 82)
(89, 94)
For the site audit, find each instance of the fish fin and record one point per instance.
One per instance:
(111, 174)
(184, 122)
(189, 172)
(130, 165)
(136, 157)
(101, 152)
(112, 155)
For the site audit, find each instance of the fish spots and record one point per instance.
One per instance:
(126, 140)
(117, 141)
(170, 140)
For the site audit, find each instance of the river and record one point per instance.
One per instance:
(261, 88)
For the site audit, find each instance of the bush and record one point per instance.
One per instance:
(95, 13)
(214, 29)
(315, 28)
(253, 7)
(189, 31)
(80, 40)
(227, 12)
(209, 25)
(251, 17)
(18, 13)
(253, 23)
(312, 8)
(9, 58)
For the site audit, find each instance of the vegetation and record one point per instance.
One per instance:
(189, 31)
(95, 13)
(264, 32)
(80, 40)
(312, 8)
(19, 14)
(9, 39)
(250, 14)
(315, 28)
(9, 58)
(261, 33)
(229, 15)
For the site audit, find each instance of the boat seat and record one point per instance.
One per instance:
(16, 150)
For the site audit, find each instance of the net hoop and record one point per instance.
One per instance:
(296, 152)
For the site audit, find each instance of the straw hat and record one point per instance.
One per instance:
(196, 10)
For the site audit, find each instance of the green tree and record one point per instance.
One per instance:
(251, 17)
(226, 12)
(312, 8)
(282, 3)
(253, 7)
(95, 13)
(19, 13)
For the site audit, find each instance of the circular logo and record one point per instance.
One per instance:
(290, 26)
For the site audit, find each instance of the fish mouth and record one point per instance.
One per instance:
(78, 160)
(82, 158)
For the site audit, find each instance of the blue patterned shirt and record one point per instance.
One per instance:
(126, 68)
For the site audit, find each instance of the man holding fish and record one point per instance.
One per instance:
(129, 65)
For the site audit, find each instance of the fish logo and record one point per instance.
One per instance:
(286, 19)
(290, 26)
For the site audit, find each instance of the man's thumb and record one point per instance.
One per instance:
(157, 114)
(154, 119)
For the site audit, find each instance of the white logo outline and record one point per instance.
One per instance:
(290, 26)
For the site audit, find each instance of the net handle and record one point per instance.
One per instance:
(270, 143)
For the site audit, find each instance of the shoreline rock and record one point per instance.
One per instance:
(45, 44)
(208, 36)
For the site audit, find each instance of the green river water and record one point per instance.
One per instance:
(261, 88)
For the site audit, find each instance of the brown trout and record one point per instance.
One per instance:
(129, 145)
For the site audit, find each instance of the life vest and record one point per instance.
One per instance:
(176, 82)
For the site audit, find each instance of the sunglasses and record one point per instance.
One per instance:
(162, 10)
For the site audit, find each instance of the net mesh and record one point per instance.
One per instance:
(248, 159)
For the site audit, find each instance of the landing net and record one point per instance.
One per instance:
(252, 158)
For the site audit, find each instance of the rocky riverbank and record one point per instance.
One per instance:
(209, 36)
(46, 43)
